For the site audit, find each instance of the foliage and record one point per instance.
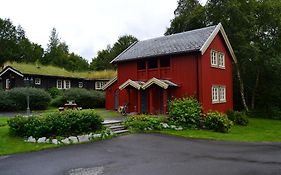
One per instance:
(54, 92)
(254, 30)
(143, 122)
(218, 122)
(104, 57)
(16, 99)
(185, 112)
(83, 98)
(238, 118)
(67, 123)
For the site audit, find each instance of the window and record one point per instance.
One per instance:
(165, 62)
(214, 58)
(221, 60)
(215, 94)
(218, 94)
(99, 84)
(7, 84)
(37, 81)
(141, 65)
(152, 63)
(222, 94)
(67, 84)
(59, 84)
(80, 84)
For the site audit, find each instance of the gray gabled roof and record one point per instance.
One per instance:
(192, 41)
(172, 44)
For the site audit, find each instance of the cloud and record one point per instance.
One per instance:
(89, 25)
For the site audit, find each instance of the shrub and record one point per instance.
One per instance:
(218, 122)
(39, 99)
(185, 112)
(238, 118)
(65, 124)
(143, 122)
(54, 92)
(84, 98)
(6, 103)
(58, 101)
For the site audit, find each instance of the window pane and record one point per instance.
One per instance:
(152, 63)
(141, 65)
(165, 62)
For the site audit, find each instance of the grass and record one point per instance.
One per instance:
(258, 130)
(10, 144)
(56, 71)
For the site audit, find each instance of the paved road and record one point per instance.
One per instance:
(149, 154)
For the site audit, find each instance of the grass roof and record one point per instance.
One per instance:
(59, 72)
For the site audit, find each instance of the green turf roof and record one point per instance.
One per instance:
(60, 72)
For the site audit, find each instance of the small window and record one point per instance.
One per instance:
(222, 94)
(7, 84)
(99, 85)
(165, 62)
(67, 84)
(215, 94)
(152, 63)
(59, 84)
(221, 60)
(141, 65)
(214, 58)
(37, 81)
(80, 84)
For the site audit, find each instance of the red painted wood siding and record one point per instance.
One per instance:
(215, 76)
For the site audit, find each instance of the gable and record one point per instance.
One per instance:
(7, 69)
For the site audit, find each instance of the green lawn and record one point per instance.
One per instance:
(258, 130)
(10, 144)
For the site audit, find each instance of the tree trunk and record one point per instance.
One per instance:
(241, 87)
(255, 90)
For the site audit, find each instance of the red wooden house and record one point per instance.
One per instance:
(195, 63)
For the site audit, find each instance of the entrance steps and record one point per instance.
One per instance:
(115, 126)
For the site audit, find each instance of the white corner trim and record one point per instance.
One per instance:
(131, 83)
(109, 83)
(16, 72)
(155, 81)
(218, 28)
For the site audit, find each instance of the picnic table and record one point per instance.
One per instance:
(69, 105)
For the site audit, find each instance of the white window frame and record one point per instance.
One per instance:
(99, 85)
(60, 85)
(214, 58)
(215, 94)
(37, 81)
(218, 94)
(80, 84)
(222, 93)
(221, 60)
(7, 83)
(67, 84)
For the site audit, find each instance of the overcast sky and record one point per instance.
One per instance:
(89, 25)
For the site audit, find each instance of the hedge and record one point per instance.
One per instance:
(218, 122)
(16, 99)
(66, 123)
(83, 98)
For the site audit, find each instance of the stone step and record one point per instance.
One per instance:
(111, 122)
(116, 127)
(121, 131)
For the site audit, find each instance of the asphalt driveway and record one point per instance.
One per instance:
(149, 154)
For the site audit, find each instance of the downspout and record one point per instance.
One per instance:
(197, 77)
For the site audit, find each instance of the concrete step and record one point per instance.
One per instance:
(116, 127)
(112, 122)
(121, 131)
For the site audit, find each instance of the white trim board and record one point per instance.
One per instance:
(11, 69)
(219, 28)
(109, 83)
